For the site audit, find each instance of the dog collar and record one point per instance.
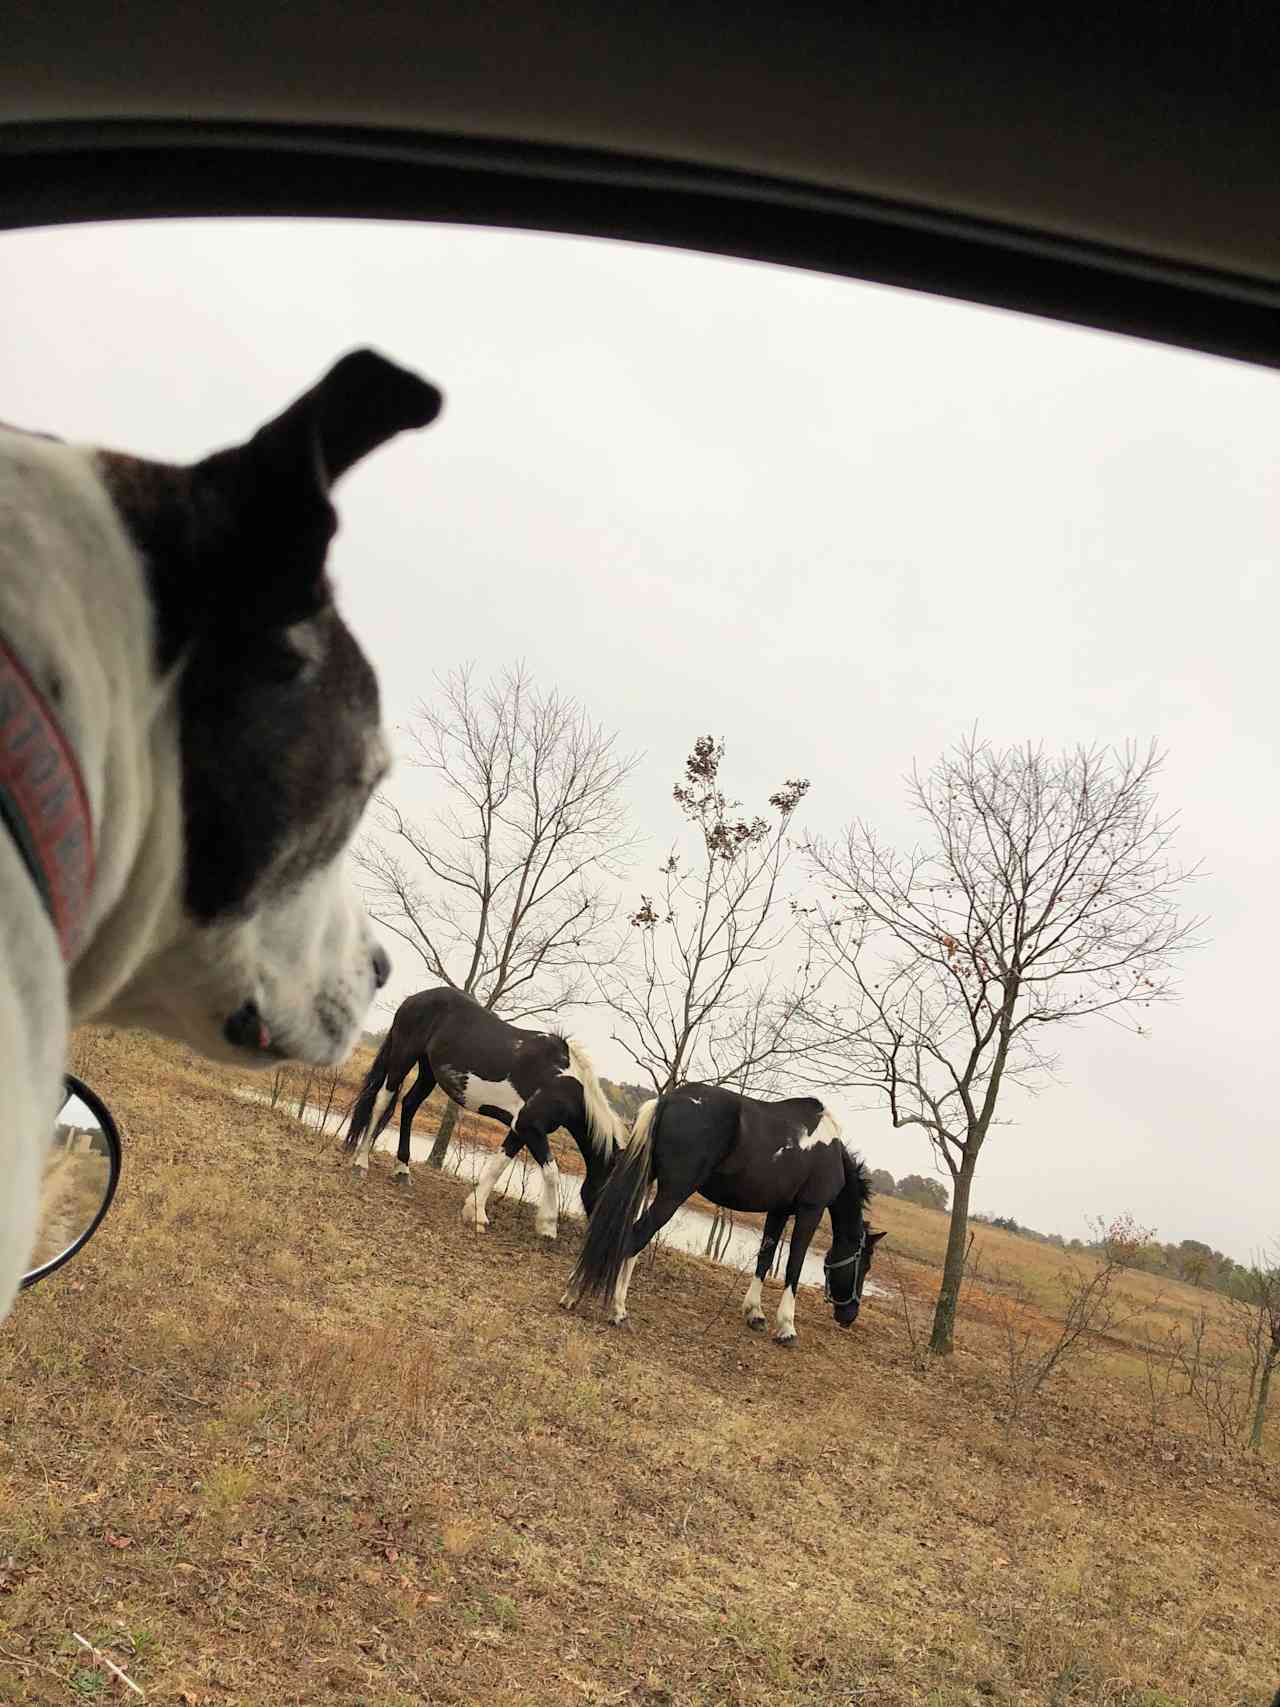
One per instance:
(43, 803)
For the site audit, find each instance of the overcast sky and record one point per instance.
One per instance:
(835, 523)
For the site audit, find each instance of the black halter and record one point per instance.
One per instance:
(828, 1268)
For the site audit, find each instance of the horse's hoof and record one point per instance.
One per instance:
(757, 1324)
(402, 1179)
(568, 1301)
(547, 1238)
(786, 1341)
(620, 1322)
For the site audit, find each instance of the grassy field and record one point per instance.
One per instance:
(278, 1437)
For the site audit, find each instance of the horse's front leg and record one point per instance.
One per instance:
(548, 1218)
(784, 1323)
(774, 1224)
(473, 1207)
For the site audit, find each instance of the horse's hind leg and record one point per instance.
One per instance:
(383, 1110)
(668, 1199)
(774, 1223)
(571, 1297)
(618, 1315)
(422, 1088)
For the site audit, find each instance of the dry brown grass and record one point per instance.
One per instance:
(277, 1437)
(71, 1195)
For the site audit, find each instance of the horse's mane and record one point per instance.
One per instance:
(857, 1173)
(606, 1129)
(860, 1179)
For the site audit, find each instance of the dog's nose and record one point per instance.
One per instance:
(246, 1028)
(381, 965)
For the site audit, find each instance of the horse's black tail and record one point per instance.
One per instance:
(362, 1108)
(604, 1250)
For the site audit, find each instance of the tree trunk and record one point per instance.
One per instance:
(720, 1233)
(942, 1340)
(448, 1120)
(1260, 1409)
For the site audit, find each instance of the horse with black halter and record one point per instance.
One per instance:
(532, 1081)
(786, 1158)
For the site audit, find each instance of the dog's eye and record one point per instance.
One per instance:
(283, 663)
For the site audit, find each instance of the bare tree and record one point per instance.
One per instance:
(704, 1000)
(506, 891)
(1213, 1380)
(1255, 1298)
(1225, 1364)
(1093, 1307)
(1045, 895)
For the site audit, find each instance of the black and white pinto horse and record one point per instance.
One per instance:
(786, 1158)
(532, 1081)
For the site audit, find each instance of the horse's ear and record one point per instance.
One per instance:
(875, 1238)
(261, 513)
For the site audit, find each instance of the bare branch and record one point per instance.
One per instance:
(506, 890)
(701, 996)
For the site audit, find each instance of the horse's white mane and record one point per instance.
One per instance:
(607, 1130)
(829, 1127)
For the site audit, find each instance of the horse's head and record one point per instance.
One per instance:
(599, 1162)
(844, 1272)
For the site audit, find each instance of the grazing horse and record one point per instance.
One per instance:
(786, 1158)
(532, 1081)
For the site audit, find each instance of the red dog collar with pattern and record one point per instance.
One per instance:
(43, 803)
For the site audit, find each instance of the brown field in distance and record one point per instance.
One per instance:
(280, 1437)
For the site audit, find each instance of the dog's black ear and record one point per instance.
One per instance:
(262, 512)
(361, 402)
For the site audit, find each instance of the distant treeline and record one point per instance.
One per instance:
(1190, 1259)
(626, 1098)
(912, 1188)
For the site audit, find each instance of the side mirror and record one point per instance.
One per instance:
(80, 1179)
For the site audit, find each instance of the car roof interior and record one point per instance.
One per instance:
(1110, 168)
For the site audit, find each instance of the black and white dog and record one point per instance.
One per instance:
(188, 737)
